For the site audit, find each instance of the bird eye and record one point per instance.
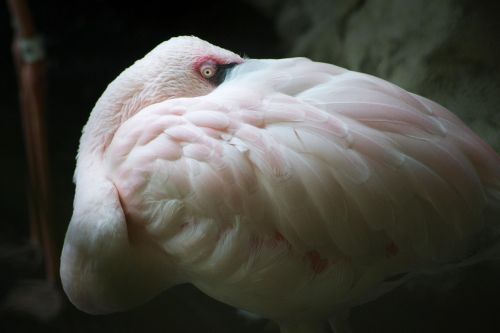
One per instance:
(208, 70)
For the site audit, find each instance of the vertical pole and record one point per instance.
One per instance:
(29, 59)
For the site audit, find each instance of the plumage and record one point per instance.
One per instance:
(293, 189)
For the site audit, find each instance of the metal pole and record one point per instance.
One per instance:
(29, 59)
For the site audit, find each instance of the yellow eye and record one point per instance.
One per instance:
(208, 70)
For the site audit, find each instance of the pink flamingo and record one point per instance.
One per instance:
(289, 188)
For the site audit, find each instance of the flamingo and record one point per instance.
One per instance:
(289, 188)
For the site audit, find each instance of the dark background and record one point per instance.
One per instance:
(88, 43)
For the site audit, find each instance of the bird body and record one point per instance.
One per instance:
(289, 188)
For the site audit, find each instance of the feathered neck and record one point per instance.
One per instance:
(122, 98)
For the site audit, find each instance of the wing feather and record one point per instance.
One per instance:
(334, 161)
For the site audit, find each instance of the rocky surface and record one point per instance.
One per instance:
(447, 50)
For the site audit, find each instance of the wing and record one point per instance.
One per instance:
(336, 163)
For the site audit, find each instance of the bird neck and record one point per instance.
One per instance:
(119, 102)
(101, 269)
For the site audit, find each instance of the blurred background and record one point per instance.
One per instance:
(446, 50)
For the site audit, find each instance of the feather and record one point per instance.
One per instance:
(292, 189)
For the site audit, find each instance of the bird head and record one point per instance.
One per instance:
(179, 67)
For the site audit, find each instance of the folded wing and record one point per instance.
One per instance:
(333, 161)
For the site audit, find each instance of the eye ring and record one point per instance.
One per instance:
(208, 70)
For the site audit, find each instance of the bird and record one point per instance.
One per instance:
(288, 188)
